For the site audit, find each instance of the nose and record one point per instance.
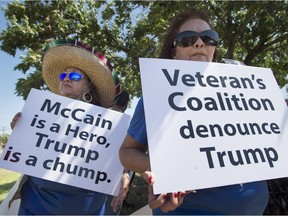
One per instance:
(199, 43)
(66, 77)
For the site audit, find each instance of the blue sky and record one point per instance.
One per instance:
(10, 103)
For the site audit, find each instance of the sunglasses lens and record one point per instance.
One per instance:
(188, 41)
(74, 76)
(62, 76)
(208, 40)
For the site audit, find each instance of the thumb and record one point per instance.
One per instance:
(149, 177)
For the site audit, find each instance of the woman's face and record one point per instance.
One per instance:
(198, 51)
(74, 89)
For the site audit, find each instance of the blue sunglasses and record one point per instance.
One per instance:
(73, 76)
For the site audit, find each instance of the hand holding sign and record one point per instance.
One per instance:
(15, 119)
(167, 201)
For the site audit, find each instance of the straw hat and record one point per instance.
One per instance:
(61, 54)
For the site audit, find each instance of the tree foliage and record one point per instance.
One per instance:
(3, 140)
(252, 32)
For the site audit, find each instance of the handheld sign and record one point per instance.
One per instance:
(212, 124)
(67, 141)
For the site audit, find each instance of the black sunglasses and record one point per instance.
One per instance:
(189, 38)
(73, 76)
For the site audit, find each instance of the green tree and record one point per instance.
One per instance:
(33, 23)
(3, 139)
(254, 32)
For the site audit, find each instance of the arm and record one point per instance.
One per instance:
(133, 150)
(133, 155)
(124, 189)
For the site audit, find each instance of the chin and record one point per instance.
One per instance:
(65, 94)
(199, 58)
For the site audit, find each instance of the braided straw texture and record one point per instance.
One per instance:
(58, 58)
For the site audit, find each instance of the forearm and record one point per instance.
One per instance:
(133, 156)
(135, 160)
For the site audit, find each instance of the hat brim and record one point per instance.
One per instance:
(59, 58)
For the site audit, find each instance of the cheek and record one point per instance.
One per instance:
(60, 85)
(180, 53)
(83, 85)
(211, 52)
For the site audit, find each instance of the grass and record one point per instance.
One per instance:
(7, 180)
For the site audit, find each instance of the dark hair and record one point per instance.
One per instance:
(95, 95)
(122, 99)
(173, 30)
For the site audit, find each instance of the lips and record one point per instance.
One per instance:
(66, 85)
(198, 56)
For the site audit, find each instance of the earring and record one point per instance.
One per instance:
(87, 97)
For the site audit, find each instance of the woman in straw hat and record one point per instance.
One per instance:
(75, 70)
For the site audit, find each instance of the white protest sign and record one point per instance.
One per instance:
(67, 141)
(212, 124)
